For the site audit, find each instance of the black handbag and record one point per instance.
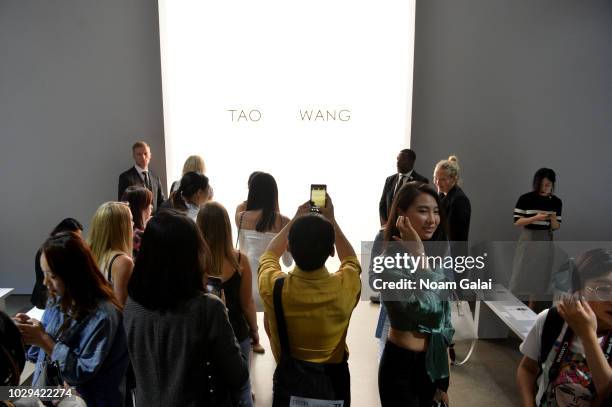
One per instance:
(54, 374)
(300, 383)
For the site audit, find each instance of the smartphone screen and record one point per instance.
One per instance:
(317, 194)
(214, 285)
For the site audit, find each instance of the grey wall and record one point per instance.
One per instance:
(80, 81)
(510, 86)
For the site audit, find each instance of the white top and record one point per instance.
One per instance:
(192, 211)
(253, 244)
(573, 370)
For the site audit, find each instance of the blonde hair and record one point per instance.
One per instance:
(451, 166)
(194, 163)
(140, 144)
(111, 231)
(215, 227)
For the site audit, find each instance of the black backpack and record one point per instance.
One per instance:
(552, 327)
(302, 379)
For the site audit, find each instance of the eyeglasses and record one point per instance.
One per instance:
(601, 292)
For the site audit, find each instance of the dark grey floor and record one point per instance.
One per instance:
(488, 378)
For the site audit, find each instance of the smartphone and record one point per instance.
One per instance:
(317, 195)
(214, 285)
(54, 374)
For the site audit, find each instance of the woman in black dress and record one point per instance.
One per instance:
(454, 203)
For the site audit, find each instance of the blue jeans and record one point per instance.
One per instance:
(382, 330)
(245, 398)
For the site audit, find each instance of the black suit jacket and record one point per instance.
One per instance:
(131, 177)
(388, 191)
(458, 210)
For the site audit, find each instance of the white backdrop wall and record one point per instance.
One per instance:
(316, 92)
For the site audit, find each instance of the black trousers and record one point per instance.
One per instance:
(403, 380)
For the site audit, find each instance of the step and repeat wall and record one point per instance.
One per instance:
(313, 93)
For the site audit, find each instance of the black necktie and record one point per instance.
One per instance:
(147, 180)
(399, 184)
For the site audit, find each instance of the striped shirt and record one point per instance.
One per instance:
(532, 203)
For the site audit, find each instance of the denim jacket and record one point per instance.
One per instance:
(92, 353)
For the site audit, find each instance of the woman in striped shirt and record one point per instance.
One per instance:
(538, 213)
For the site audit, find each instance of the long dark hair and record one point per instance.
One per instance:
(67, 225)
(70, 259)
(253, 174)
(139, 199)
(539, 176)
(404, 198)
(171, 262)
(12, 352)
(263, 194)
(190, 184)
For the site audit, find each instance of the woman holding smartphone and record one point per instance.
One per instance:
(538, 214)
(81, 330)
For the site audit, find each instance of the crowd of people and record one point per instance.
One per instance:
(128, 318)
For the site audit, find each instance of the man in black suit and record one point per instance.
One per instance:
(141, 175)
(405, 173)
